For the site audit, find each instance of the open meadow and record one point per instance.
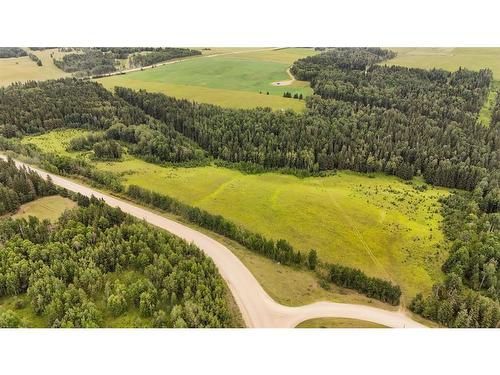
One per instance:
(380, 224)
(235, 78)
(50, 208)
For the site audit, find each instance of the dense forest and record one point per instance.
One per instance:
(6, 52)
(90, 62)
(143, 56)
(470, 296)
(366, 118)
(159, 55)
(70, 103)
(74, 273)
(18, 186)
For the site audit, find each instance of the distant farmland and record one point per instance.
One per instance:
(22, 69)
(239, 80)
(449, 58)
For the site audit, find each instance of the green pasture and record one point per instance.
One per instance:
(240, 79)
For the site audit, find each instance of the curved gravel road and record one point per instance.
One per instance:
(257, 307)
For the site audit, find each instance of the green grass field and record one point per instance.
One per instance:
(486, 111)
(276, 278)
(449, 58)
(45, 208)
(56, 141)
(22, 69)
(377, 223)
(239, 80)
(338, 323)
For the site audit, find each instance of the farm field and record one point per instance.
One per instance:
(22, 69)
(380, 224)
(45, 208)
(239, 80)
(449, 58)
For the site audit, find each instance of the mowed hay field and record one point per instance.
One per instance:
(22, 69)
(238, 78)
(378, 223)
(45, 208)
(449, 58)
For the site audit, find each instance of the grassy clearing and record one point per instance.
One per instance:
(487, 109)
(239, 80)
(45, 208)
(449, 58)
(377, 223)
(338, 323)
(56, 141)
(381, 225)
(23, 69)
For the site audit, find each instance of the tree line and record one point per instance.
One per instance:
(71, 103)
(159, 55)
(372, 287)
(472, 223)
(470, 295)
(18, 186)
(65, 270)
(288, 94)
(454, 306)
(95, 62)
(35, 58)
(90, 62)
(8, 52)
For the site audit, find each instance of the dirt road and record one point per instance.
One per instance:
(257, 307)
(287, 82)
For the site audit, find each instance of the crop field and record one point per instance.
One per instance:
(240, 80)
(45, 208)
(22, 69)
(380, 224)
(449, 58)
